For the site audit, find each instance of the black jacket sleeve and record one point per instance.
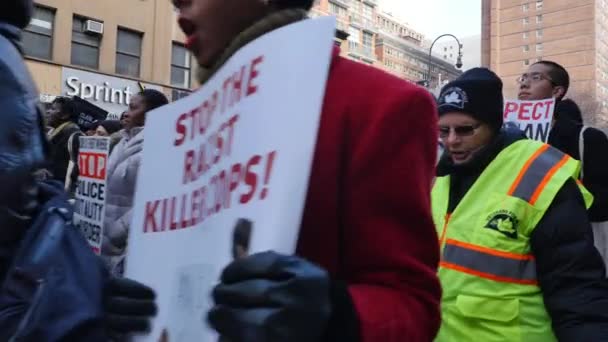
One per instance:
(595, 165)
(570, 270)
(344, 322)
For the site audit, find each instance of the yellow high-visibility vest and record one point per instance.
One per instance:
(487, 269)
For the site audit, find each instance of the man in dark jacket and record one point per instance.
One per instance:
(24, 150)
(365, 265)
(566, 136)
(545, 80)
(63, 137)
(518, 260)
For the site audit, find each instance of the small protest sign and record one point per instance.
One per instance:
(532, 117)
(89, 207)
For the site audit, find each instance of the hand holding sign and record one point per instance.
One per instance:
(533, 117)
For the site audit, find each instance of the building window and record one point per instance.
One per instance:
(368, 39)
(336, 10)
(526, 48)
(526, 35)
(368, 10)
(37, 38)
(539, 18)
(128, 52)
(539, 4)
(539, 47)
(526, 62)
(180, 66)
(353, 34)
(525, 7)
(85, 46)
(526, 21)
(539, 33)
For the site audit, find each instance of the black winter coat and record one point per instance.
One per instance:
(565, 136)
(570, 270)
(59, 152)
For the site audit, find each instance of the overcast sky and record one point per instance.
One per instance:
(435, 17)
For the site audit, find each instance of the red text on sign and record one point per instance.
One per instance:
(240, 184)
(238, 85)
(92, 165)
(527, 111)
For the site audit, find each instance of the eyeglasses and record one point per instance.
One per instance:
(534, 77)
(461, 131)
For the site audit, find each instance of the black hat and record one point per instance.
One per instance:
(111, 126)
(16, 12)
(304, 4)
(477, 92)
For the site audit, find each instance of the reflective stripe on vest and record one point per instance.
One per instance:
(498, 265)
(536, 173)
(488, 263)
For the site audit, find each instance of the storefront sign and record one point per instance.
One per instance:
(110, 93)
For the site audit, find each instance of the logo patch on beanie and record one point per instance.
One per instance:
(454, 96)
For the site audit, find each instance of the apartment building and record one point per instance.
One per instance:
(401, 51)
(377, 38)
(105, 51)
(356, 18)
(517, 33)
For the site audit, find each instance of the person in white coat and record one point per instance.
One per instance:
(123, 167)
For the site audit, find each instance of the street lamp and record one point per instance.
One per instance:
(458, 60)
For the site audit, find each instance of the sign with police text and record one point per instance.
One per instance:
(533, 117)
(224, 173)
(90, 204)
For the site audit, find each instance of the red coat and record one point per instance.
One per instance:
(367, 218)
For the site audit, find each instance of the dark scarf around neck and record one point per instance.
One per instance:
(269, 23)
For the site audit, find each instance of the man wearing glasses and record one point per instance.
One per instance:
(545, 80)
(517, 255)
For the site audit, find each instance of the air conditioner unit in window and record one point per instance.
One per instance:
(92, 26)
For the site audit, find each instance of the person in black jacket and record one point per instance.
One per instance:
(61, 117)
(565, 135)
(23, 151)
(547, 79)
(569, 270)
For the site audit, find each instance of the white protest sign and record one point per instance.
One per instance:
(90, 208)
(533, 117)
(225, 171)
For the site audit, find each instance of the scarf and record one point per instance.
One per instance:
(269, 23)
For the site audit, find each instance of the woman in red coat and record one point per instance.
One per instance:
(365, 268)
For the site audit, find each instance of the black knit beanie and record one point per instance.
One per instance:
(16, 12)
(153, 99)
(477, 92)
(111, 126)
(304, 4)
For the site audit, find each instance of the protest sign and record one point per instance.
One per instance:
(89, 207)
(533, 117)
(224, 173)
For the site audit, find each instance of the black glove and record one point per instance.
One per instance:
(129, 306)
(271, 297)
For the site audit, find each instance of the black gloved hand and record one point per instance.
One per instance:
(271, 297)
(129, 306)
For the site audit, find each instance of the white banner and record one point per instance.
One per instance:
(90, 205)
(532, 117)
(225, 171)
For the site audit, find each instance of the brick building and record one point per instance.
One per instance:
(381, 40)
(517, 33)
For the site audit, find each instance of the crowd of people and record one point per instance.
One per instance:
(498, 238)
